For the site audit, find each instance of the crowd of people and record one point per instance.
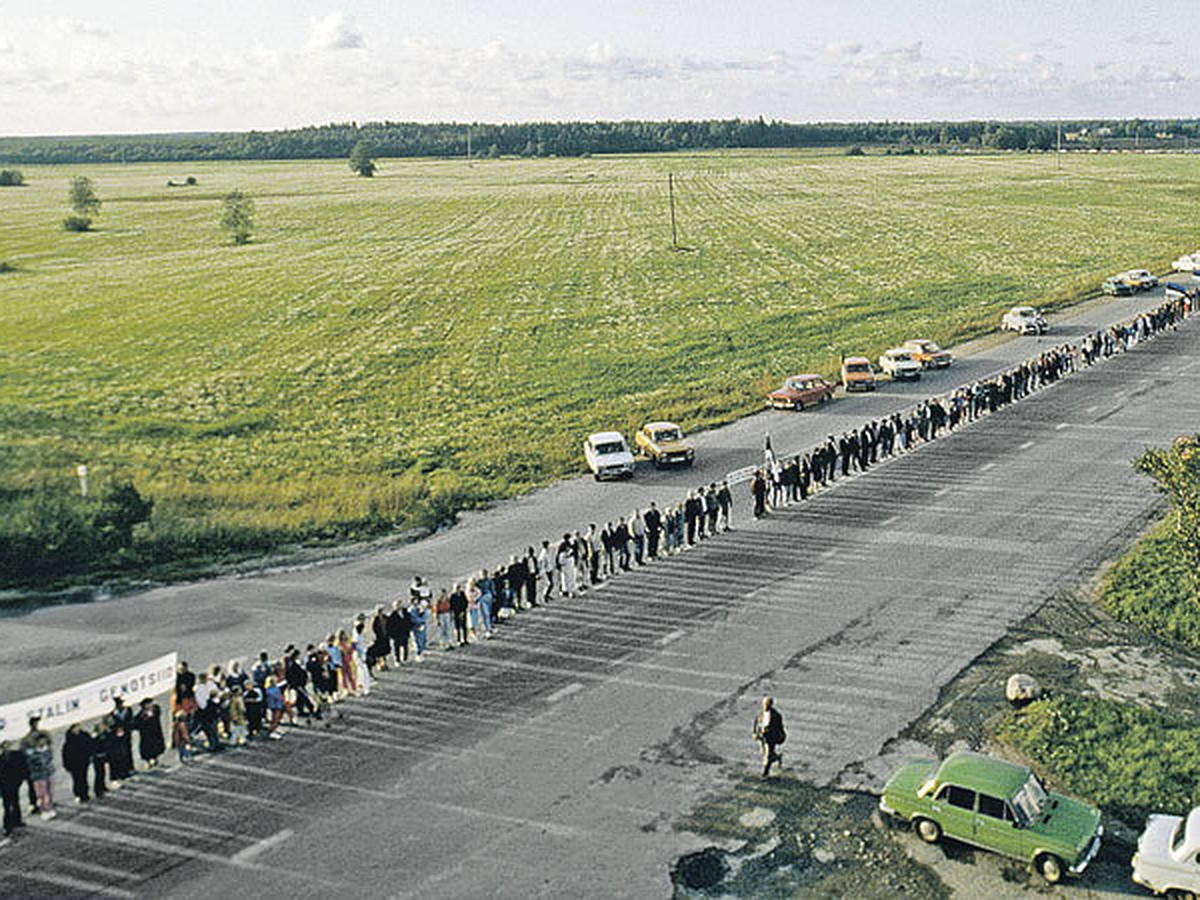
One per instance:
(223, 706)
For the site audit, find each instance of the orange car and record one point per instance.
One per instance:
(800, 391)
(928, 354)
(857, 374)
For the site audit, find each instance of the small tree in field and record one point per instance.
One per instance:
(238, 216)
(1177, 474)
(11, 178)
(361, 160)
(83, 200)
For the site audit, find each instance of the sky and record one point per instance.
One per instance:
(132, 66)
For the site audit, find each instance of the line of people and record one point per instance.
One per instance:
(229, 705)
(781, 481)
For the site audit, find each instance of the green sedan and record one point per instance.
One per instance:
(998, 806)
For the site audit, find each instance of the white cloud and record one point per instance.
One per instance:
(334, 32)
(844, 48)
(79, 28)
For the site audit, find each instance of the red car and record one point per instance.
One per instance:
(800, 391)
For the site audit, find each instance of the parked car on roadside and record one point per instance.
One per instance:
(1189, 262)
(928, 354)
(664, 443)
(996, 805)
(857, 374)
(800, 391)
(1139, 279)
(1167, 860)
(1117, 287)
(899, 363)
(1024, 320)
(608, 455)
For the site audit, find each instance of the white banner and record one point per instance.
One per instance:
(90, 700)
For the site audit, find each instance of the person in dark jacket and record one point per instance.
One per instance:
(399, 629)
(14, 772)
(458, 609)
(758, 490)
(120, 756)
(148, 722)
(76, 758)
(101, 742)
(381, 643)
(768, 731)
(296, 679)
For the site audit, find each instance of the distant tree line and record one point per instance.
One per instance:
(400, 139)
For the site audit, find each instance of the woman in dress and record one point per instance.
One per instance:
(349, 675)
(361, 642)
(565, 560)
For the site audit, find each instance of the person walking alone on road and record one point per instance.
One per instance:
(768, 731)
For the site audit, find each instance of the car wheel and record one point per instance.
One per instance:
(798, 405)
(1051, 868)
(928, 830)
(825, 398)
(596, 476)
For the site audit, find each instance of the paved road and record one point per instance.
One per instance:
(554, 760)
(215, 619)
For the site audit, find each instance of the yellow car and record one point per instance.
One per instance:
(664, 443)
(857, 374)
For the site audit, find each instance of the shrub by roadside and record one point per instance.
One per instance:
(1128, 759)
(1150, 589)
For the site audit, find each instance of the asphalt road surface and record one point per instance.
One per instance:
(553, 760)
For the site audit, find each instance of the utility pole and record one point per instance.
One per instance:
(671, 192)
(1058, 151)
(468, 143)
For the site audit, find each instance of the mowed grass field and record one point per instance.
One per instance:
(389, 349)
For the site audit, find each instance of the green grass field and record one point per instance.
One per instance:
(388, 349)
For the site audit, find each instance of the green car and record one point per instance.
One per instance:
(996, 805)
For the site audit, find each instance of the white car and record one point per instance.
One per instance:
(1024, 320)
(1188, 263)
(899, 363)
(608, 455)
(1166, 857)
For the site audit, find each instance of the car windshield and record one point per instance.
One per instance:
(931, 347)
(858, 367)
(1177, 836)
(610, 447)
(1029, 800)
(667, 434)
(796, 384)
(900, 357)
